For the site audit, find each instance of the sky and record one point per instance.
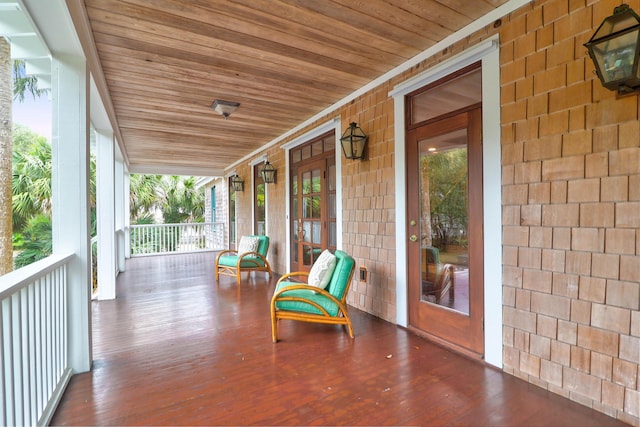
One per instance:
(34, 114)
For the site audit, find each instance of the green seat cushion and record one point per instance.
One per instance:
(302, 307)
(247, 262)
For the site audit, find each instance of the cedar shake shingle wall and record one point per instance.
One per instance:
(571, 162)
(570, 207)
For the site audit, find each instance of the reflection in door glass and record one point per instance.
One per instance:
(443, 221)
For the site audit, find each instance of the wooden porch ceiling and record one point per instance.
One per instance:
(165, 61)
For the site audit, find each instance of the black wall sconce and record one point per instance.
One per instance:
(237, 183)
(268, 173)
(353, 142)
(614, 49)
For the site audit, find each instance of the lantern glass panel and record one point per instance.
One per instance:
(616, 56)
(615, 23)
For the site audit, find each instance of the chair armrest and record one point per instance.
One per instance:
(225, 252)
(293, 274)
(308, 288)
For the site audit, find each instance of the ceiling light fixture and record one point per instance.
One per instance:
(224, 108)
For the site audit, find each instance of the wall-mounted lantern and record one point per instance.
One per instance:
(268, 173)
(237, 183)
(353, 142)
(614, 50)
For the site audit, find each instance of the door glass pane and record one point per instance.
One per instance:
(316, 177)
(306, 182)
(306, 207)
(306, 231)
(307, 255)
(332, 235)
(294, 208)
(315, 207)
(453, 95)
(443, 220)
(294, 187)
(331, 205)
(331, 179)
(317, 228)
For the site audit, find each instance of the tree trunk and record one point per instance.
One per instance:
(6, 143)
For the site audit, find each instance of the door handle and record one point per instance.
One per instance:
(413, 238)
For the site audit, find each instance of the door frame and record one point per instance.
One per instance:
(488, 53)
(336, 126)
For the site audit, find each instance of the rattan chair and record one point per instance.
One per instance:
(232, 263)
(298, 301)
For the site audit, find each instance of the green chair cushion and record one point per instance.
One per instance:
(340, 279)
(336, 287)
(299, 306)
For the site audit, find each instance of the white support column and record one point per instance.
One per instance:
(105, 207)
(127, 217)
(120, 210)
(70, 197)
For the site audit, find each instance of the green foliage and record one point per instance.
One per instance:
(31, 180)
(22, 83)
(37, 243)
(447, 194)
(174, 198)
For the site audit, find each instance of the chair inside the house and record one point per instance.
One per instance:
(437, 278)
(251, 255)
(317, 296)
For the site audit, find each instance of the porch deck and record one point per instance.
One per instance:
(176, 349)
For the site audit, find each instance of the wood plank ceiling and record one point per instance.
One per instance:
(165, 61)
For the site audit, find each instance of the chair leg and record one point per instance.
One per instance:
(274, 327)
(349, 326)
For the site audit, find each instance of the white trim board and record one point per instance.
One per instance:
(488, 53)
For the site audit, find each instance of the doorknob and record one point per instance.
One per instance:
(413, 238)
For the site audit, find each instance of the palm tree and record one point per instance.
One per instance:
(31, 179)
(9, 87)
(181, 201)
(6, 143)
(37, 241)
(143, 197)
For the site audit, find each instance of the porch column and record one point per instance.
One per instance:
(105, 207)
(70, 197)
(127, 217)
(120, 210)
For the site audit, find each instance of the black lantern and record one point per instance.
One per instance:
(614, 50)
(237, 183)
(268, 173)
(353, 142)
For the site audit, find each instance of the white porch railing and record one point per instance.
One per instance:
(153, 239)
(34, 368)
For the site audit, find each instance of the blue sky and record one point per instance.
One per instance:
(34, 114)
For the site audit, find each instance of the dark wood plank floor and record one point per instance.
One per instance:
(176, 349)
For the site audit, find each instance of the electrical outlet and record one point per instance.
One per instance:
(363, 274)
